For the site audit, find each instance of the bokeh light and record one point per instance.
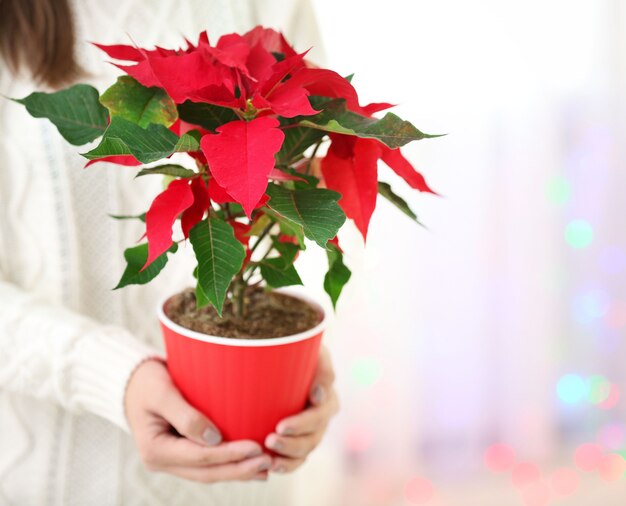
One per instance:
(419, 490)
(558, 190)
(564, 481)
(612, 260)
(599, 389)
(536, 494)
(612, 436)
(613, 398)
(590, 305)
(524, 473)
(572, 388)
(366, 371)
(615, 317)
(499, 458)
(588, 456)
(358, 438)
(612, 467)
(579, 234)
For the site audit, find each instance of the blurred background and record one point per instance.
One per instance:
(480, 358)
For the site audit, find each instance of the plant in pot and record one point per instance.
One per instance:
(236, 128)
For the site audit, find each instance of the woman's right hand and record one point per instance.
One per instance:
(194, 449)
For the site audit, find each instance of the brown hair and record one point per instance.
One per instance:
(39, 35)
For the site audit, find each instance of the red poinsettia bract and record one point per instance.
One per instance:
(261, 78)
(351, 168)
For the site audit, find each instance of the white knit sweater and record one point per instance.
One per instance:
(67, 342)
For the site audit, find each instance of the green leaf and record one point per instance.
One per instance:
(168, 170)
(287, 250)
(135, 102)
(338, 274)
(385, 190)
(189, 141)
(390, 130)
(280, 271)
(287, 227)
(135, 259)
(156, 142)
(220, 257)
(259, 225)
(304, 180)
(316, 210)
(206, 115)
(277, 273)
(140, 217)
(76, 112)
(201, 299)
(297, 141)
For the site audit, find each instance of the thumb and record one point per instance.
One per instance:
(187, 420)
(324, 378)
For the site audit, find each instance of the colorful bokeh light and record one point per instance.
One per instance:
(366, 371)
(612, 436)
(358, 439)
(612, 399)
(572, 388)
(612, 467)
(579, 234)
(615, 317)
(558, 191)
(588, 456)
(499, 458)
(599, 389)
(419, 490)
(524, 473)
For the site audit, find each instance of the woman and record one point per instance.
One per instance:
(79, 364)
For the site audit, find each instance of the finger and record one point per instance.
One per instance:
(167, 450)
(263, 476)
(283, 465)
(294, 447)
(310, 420)
(187, 420)
(323, 379)
(243, 471)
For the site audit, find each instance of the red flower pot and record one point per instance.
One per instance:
(245, 386)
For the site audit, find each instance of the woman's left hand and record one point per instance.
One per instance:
(296, 436)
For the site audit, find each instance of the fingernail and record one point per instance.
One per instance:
(286, 431)
(264, 466)
(212, 437)
(318, 394)
(276, 444)
(254, 452)
(280, 469)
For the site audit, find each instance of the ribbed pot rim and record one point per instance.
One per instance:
(250, 343)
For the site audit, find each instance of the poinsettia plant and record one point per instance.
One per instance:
(251, 113)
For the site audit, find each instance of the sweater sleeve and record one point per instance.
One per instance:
(46, 350)
(57, 355)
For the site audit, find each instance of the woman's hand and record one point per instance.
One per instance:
(175, 438)
(296, 436)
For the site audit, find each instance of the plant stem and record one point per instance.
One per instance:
(227, 211)
(312, 157)
(239, 291)
(255, 265)
(266, 231)
(239, 283)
